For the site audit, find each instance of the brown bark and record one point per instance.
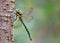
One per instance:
(6, 21)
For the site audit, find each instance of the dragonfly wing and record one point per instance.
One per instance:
(28, 11)
(15, 16)
(27, 14)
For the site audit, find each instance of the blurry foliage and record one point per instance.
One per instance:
(46, 16)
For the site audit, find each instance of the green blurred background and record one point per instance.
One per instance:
(45, 25)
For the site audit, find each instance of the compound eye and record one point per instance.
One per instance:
(16, 9)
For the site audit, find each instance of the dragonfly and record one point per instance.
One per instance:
(25, 14)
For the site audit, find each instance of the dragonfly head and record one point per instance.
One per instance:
(16, 10)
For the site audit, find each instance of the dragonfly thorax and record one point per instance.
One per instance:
(18, 13)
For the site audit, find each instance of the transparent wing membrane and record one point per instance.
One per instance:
(27, 14)
(28, 11)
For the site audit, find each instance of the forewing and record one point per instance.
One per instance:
(28, 11)
(27, 14)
